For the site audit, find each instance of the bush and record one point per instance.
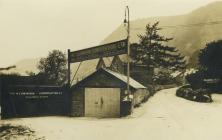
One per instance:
(198, 95)
(151, 89)
(163, 78)
(210, 58)
(204, 79)
(196, 80)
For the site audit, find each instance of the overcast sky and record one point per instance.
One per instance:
(30, 28)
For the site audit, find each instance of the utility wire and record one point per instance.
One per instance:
(76, 72)
(186, 25)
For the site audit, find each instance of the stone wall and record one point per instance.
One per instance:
(140, 96)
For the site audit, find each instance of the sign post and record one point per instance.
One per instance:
(69, 71)
(127, 21)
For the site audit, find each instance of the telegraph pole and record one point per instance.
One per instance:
(127, 21)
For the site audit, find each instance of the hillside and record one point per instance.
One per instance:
(189, 35)
(24, 66)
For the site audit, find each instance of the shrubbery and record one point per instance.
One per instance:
(209, 76)
(196, 80)
(198, 95)
(151, 89)
(204, 79)
(163, 78)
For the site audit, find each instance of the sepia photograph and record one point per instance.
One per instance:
(110, 69)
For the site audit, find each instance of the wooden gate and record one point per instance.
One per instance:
(102, 102)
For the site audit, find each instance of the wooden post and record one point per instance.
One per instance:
(69, 71)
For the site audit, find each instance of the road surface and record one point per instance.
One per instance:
(163, 117)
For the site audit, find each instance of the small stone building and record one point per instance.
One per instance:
(101, 94)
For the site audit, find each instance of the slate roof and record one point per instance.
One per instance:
(133, 83)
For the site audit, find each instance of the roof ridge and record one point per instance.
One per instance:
(133, 83)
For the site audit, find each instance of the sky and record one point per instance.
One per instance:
(31, 28)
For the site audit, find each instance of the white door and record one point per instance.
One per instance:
(102, 102)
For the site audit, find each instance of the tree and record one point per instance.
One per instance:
(210, 59)
(53, 68)
(209, 74)
(30, 73)
(152, 50)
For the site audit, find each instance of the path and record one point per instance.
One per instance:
(163, 117)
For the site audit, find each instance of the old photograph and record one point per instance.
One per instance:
(110, 69)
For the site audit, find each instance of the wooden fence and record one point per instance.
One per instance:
(22, 97)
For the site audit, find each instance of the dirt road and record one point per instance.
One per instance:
(163, 117)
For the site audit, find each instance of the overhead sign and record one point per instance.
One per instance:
(106, 50)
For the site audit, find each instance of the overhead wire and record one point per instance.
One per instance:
(186, 25)
(166, 27)
(76, 72)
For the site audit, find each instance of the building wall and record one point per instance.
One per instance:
(117, 65)
(140, 95)
(102, 79)
(78, 102)
(142, 74)
(102, 102)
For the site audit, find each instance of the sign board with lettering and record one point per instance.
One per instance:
(35, 95)
(106, 50)
(34, 100)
